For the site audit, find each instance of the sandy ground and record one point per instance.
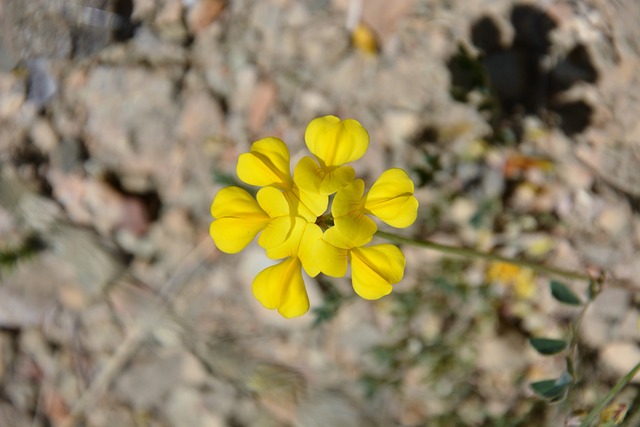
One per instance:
(120, 120)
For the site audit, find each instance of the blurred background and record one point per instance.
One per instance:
(121, 119)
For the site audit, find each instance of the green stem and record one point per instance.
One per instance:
(456, 250)
(595, 412)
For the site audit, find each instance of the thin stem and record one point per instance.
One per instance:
(595, 412)
(456, 250)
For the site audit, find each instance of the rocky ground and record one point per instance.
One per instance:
(120, 119)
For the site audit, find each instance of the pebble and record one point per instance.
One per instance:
(12, 95)
(203, 13)
(620, 358)
(43, 136)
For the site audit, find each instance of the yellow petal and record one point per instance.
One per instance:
(357, 229)
(348, 200)
(273, 202)
(297, 207)
(308, 175)
(335, 178)
(235, 202)
(331, 260)
(391, 199)
(276, 232)
(400, 212)
(306, 251)
(281, 286)
(375, 268)
(239, 219)
(311, 177)
(335, 236)
(335, 142)
(310, 204)
(231, 235)
(349, 216)
(266, 164)
(291, 230)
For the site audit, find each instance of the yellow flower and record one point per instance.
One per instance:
(239, 219)
(614, 414)
(334, 143)
(373, 268)
(281, 286)
(389, 199)
(363, 38)
(290, 214)
(267, 165)
(521, 279)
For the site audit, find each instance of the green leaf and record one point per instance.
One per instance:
(562, 293)
(552, 389)
(548, 346)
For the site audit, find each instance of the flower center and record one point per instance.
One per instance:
(325, 221)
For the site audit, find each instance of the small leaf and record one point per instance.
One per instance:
(562, 293)
(552, 389)
(548, 346)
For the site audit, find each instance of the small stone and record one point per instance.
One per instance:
(595, 330)
(185, 407)
(264, 98)
(612, 303)
(400, 126)
(143, 9)
(12, 95)
(614, 220)
(201, 118)
(156, 51)
(462, 210)
(500, 355)
(170, 14)
(43, 135)
(142, 385)
(42, 83)
(203, 13)
(620, 358)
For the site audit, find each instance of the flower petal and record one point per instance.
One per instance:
(281, 286)
(235, 202)
(311, 177)
(309, 205)
(348, 199)
(231, 235)
(276, 232)
(267, 164)
(348, 214)
(239, 219)
(336, 178)
(308, 175)
(391, 199)
(331, 260)
(306, 251)
(336, 142)
(400, 212)
(291, 230)
(273, 202)
(357, 229)
(335, 236)
(375, 268)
